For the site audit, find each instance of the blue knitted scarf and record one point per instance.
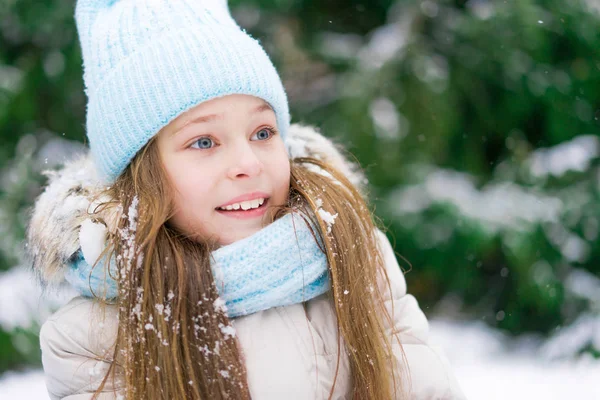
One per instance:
(280, 265)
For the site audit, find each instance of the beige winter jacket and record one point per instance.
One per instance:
(290, 352)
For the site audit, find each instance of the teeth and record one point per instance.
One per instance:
(244, 205)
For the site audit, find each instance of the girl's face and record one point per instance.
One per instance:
(228, 165)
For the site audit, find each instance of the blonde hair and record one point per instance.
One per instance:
(185, 353)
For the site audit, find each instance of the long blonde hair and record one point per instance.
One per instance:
(173, 340)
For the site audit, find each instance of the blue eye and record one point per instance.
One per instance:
(263, 134)
(203, 143)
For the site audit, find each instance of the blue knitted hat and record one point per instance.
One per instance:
(147, 61)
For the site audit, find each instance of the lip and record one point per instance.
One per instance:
(248, 214)
(247, 197)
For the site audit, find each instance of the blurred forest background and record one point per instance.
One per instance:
(477, 122)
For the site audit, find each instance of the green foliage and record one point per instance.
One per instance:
(457, 110)
(41, 85)
(448, 103)
(19, 349)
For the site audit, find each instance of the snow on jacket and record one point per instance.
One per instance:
(290, 352)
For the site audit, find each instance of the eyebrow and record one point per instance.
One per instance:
(213, 117)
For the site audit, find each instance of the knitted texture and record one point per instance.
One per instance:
(280, 265)
(146, 62)
(92, 282)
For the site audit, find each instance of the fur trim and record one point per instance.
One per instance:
(306, 141)
(60, 211)
(53, 232)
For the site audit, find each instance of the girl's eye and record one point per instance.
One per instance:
(263, 134)
(203, 143)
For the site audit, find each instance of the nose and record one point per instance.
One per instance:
(244, 162)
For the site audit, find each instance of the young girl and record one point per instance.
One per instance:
(219, 252)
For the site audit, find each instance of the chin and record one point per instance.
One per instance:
(238, 235)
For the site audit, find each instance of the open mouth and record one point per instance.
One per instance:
(250, 206)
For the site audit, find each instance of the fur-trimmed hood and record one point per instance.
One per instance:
(53, 235)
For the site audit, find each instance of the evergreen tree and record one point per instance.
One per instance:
(477, 123)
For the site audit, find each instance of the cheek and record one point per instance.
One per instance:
(280, 167)
(191, 191)
(190, 179)
(190, 194)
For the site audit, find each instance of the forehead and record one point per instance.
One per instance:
(218, 109)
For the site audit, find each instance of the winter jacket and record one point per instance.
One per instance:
(289, 352)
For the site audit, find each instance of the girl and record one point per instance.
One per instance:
(219, 252)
